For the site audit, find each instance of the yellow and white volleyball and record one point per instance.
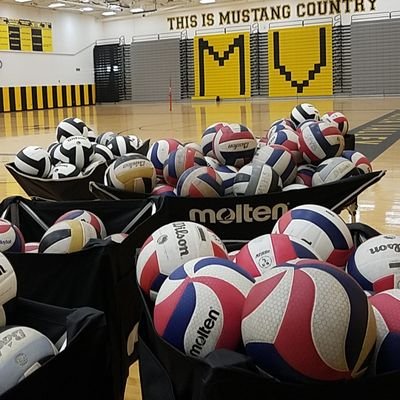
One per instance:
(67, 236)
(132, 173)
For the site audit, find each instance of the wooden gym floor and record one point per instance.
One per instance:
(378, 206)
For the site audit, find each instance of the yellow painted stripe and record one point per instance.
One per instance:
(59, 97)
(18, 98)
(93, 94)
(77, 95)
(69, 96)
(29, 101)
(6, 99)
(39, 95)
(50, 100)
(86, 94)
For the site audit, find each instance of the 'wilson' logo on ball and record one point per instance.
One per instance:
(204, 332)
(180, 233)
(383, 247)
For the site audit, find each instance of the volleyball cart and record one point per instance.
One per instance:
(101, 276)
(167, 373)
(82, 370)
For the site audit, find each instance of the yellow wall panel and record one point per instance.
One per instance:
(17, 99)
(222, 65)
(300, 61)
(29, 101)
(26, 38)
(4, 40)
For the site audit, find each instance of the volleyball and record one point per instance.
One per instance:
(135, 140)
(266, 251)
(67, 237)
(207, 138)
(386, 306)
(171, 246)
(77, 150)
(254, 179)
(305, 173)
(121, 145)
(87, 216)
(23, 350)
(334, 169)
(163, 189)
(207, 290)
(359, 160)
(234, 144)
(102, 153)
(200, 182)
(65, 170)
(303, 112)
(373, 263)
(279, 124)
(32, 247)
(11, 238)
(338, 119)
(69, 127)
(105, 138)
(194, 146)
(54, 153)
(280, 159)
(325, 231)
(298, 321)
(8, 280)
(212, 162)
(178, 161)
(227, 173)
(289, 139)
(159, 152)
(320, 141)
(33, 161)
(132, 173)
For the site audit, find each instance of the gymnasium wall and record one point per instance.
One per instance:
(154, 65)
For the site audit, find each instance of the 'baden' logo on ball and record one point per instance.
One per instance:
(204, 332)
(241, 213)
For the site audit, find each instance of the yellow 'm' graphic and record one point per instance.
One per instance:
(222, 65)
(300, 61)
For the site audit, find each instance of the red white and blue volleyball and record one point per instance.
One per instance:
(289, 139)
(200, 182)
(87, 216)
(280, 159)
(207, 138)
(199, 306)
(169, 247)
(159, 152)
(309, 323)
(163, 189)
(11, 238)
(320, 141)
(178, 161)
(266, 251)
(324, 230)
(227, 174)
(375, 263)
(305, 173)
(234, 144)
(359, 160)
(386, 306)
(338, 119)
(279, 124)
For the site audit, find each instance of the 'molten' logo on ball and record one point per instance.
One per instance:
(204, 332)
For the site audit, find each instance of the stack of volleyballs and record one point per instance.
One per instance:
(303, 286)
(22, 349)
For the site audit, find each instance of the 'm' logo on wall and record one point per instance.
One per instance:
(222, 65)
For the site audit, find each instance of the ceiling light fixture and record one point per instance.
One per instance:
(108, 13)
(56, 5)
(23, 1)
(207, 1)
(87, 9)
(136, 10)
